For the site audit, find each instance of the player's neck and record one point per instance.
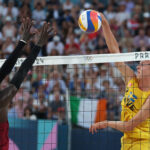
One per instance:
(144, 84)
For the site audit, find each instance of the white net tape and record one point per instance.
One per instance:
(87, 59)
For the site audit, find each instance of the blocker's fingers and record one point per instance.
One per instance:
(27, 22)
(50, 29)
(31, 24)
(22, 27)
(46, 27)
(43, 29)
(23, 23)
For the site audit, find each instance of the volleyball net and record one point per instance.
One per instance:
(87, 59)
(74, 90)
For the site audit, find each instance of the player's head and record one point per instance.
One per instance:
(143, 69)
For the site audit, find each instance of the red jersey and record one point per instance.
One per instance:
(4, 140)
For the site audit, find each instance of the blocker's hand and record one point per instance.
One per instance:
(45, 33)
(98, 125)
(26, 29)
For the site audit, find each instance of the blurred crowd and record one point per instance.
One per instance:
(42, 95)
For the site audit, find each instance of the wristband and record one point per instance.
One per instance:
(23, 41)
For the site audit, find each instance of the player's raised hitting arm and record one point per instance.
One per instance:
(113, 47)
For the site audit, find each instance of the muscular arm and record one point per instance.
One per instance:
(142, 115)
(125, 126)
(7, 94)
(113, 47)
(10, 62)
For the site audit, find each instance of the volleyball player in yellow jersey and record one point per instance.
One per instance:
(135, 115)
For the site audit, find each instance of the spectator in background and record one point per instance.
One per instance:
(38, 14)
(38, 81)
(40, 105)
(55, 44)
(42, 89)
(56, 81)
(127, 42)
(101, 47)
(141, 37)
(67, 16)
(49, 114)
(12, 10)
(43, 2)
(25, 2)
(122, 15)
(90, 79)
(56, 105)
(19, 106)
(67, 5)
(92, 91)
(8, 46)
(53, 2)
(138, 11)
(64, 30)
(71, 46)
(22, 95)
(87, 5)
(76, 85)
(86, 44)
(103, 76)
(61, 115)
(28, 114)
(142, 46)
(30, 104)
(12, 112)
(54, 52)
(133, 24)
(72, 70)
(109, 93)
(9, 30)
(54, 11)
(25, 11)
(129, 5)
(109, 12)
(3, 9)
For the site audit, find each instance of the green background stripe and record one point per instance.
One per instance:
(74, 103)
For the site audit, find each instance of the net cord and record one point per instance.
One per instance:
(86, 59)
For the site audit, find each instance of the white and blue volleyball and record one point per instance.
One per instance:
(89, 21)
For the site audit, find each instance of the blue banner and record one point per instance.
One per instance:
(32, 135)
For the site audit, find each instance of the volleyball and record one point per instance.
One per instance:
(89, 21)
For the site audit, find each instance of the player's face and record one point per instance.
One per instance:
(143, 69)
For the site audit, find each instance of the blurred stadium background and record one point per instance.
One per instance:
(39, 115)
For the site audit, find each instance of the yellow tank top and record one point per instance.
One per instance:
(131, 103)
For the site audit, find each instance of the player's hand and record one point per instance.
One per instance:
(45, 33)
(98, 125)
(26, 29)
(104, 20)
